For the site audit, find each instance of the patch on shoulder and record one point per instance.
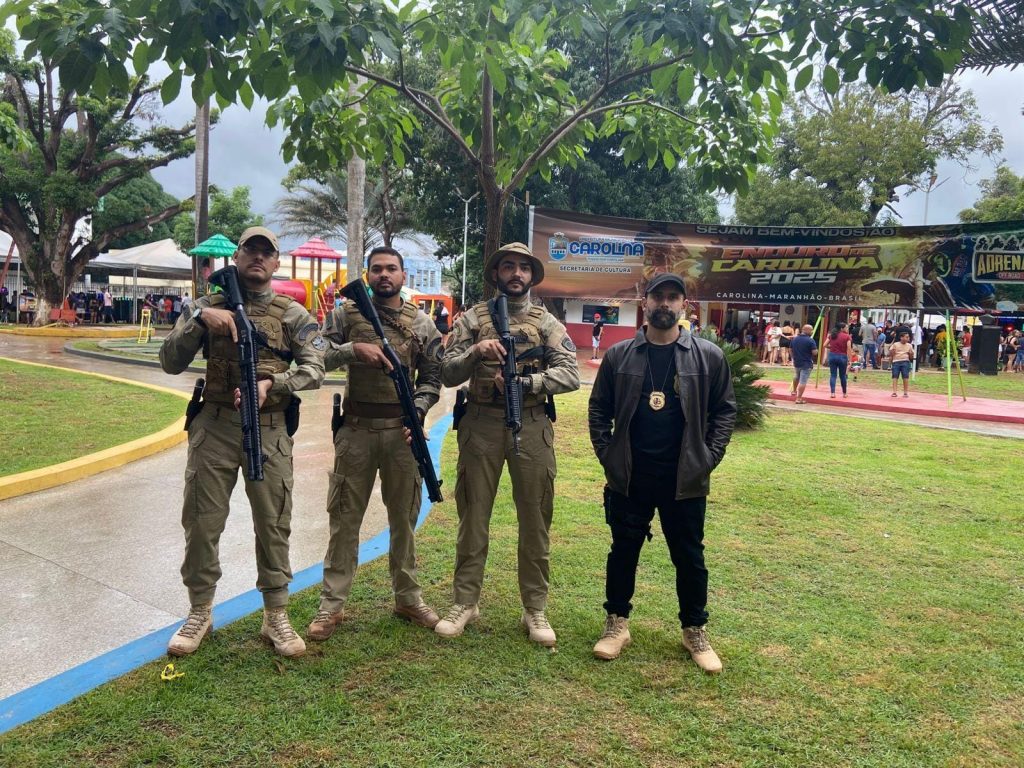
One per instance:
(319, 344)
(306, 330)
(567, 344)
(435, 349)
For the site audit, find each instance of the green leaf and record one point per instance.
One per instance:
(685, 86)
(467, 78)
(399, 155)
(140, 58)
(101, 81)
(325, 8)
(668, 159)
(803, 77)
(170, 87)
(118, 75)
(245, 94)
(275, 80)
(661, 79)
(830, 79)
(497, 74)
(385, 44)
(873, 73)
(222, 82)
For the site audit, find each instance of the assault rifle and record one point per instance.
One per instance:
(399, 374)
(252, 442)
(510, 368)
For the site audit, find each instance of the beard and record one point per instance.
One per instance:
(664, 319)
(386, 292)
(514, 293)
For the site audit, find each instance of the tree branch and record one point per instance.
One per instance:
(142, 164)
(440, 119)
(753, 12)
(553, 139)
(111, 235)
(35, 130)
(136, 94)
(647, 69)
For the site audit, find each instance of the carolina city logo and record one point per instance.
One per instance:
(593, 248)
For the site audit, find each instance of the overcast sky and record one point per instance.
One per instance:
(244, 151)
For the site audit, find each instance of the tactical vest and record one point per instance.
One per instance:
(526, 328)
(223, 374)
(369, 383)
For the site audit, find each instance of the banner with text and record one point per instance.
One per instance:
(961, 266)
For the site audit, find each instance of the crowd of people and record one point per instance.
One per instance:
(165, 309)
(871, 345)
(96, 306)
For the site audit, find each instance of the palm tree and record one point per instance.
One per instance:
(998, 38)
(318, 207)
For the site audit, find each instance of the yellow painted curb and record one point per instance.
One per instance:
(101, 461)
(63, 332)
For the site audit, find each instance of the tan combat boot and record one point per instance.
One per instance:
(455, 621)
(323, 624)
(536, 625)
(277, 631)
(420, 614)
(614, 639)
(695, 640)
(190, 634)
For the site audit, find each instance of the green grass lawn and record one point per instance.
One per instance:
(1005, 386)
(53, 415)
(866, 598)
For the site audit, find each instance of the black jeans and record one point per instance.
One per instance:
(682, 522)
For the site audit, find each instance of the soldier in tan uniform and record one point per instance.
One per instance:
(371, 440)
(215, 438)
(474, 353)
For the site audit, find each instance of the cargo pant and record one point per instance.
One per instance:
(484, 447)
(214, 458)
(362, 448)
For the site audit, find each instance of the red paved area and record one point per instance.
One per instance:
(918, 404)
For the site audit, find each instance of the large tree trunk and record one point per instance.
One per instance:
(356, 193)
(202, 171)
(355, 234)
(202, 190)
(495, 200)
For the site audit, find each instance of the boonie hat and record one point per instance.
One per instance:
(263, 232)
(514, 249)
(663, 279)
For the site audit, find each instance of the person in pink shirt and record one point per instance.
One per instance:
(840, 347)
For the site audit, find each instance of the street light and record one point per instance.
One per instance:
(465, 241)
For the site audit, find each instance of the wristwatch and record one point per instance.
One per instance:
(197, 315)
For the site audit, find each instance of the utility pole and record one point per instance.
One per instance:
(465, 240)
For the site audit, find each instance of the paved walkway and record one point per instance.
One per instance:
(979, 411)
(92, 565)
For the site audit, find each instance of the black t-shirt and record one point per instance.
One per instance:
(656, 435)
(855, 334)
(598, 325)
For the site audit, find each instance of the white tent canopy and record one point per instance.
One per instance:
(161, 258)
(5, 246)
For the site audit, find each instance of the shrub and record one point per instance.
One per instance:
(751, 398)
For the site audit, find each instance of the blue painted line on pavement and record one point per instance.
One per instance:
(49, 694)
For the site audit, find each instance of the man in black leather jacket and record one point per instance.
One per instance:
(661, 414)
